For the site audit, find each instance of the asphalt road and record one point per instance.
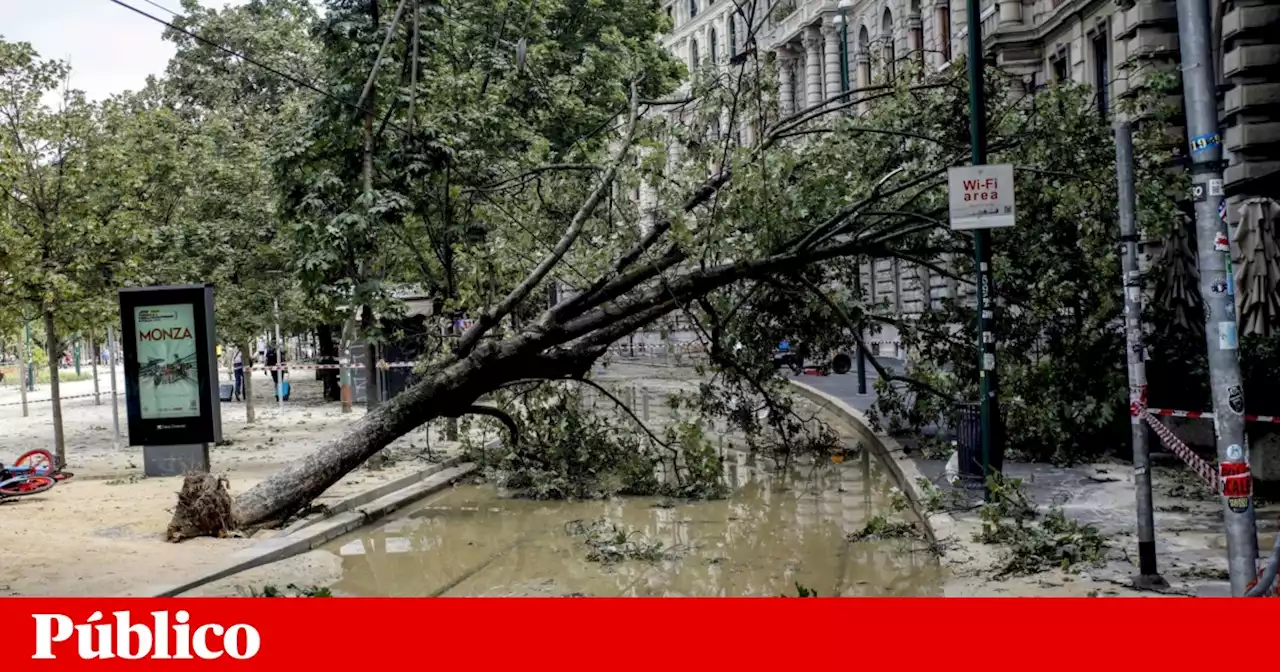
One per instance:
(845, 386)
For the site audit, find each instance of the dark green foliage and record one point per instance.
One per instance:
(567, 451)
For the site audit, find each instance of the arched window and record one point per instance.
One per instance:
(864, 40)
(944, 29)
(713, 45)
(695, 58)
(886, 36)
(693, 8)
(733, 36)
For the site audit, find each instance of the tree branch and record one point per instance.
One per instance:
(862, 347)
(491, 317)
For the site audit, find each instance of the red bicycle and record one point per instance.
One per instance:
(32, 473)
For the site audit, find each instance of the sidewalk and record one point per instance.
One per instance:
(1190, 545)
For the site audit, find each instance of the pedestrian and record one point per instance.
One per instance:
(271, 360)
(237, 366)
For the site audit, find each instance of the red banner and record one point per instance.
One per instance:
(611, 635)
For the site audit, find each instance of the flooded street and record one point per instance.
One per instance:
(768, 536)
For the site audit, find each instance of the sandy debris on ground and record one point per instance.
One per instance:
(101, 533)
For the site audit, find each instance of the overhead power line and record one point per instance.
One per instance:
(231, 52)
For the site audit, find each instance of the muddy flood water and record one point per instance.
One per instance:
(769, 535)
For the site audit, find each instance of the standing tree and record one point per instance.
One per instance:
(232, 110)
(85, 182)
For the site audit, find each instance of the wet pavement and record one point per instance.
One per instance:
(771, 534)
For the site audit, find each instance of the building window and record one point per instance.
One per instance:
(693, 8)
(713, 45)
(695, 60)
(1060, 66)
(671, 14)
(733, 36)
(886, 34)
(1101, 71)
(944, 31)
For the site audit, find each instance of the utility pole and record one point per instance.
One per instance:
(1213, 251)
(1148, 575)
(985, 291)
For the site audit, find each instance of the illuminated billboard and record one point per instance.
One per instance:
(171, 375)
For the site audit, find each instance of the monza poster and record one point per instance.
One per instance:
(168, 374)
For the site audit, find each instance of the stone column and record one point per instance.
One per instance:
(941, 21)
(915, 36)
(1011, 12)
(786, 87)
(831, 53)
(863, 79)
(812, 66)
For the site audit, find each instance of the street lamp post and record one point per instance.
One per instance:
(985, 303)
(843, 18)
(844, 6)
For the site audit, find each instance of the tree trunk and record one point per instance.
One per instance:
(55, 357)
(246, 358)
(328, 355)
(449, 390)
(93, 368)
(372, 392)
(300, 482)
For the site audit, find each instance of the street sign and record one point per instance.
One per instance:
(981, 197)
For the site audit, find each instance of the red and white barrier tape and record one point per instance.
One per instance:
(325, 367)
(45, 401)
(1208, 415)
(1203, 469)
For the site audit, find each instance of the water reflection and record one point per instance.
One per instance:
(773, 532)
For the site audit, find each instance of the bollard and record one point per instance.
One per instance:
(644, 402)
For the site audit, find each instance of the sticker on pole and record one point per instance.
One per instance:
(1237, 485)
(981, 197)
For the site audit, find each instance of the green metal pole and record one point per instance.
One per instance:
(76, 355)
(987, 382)
(844, 88)
(844, 57)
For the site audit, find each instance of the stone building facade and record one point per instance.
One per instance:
(1112, 45)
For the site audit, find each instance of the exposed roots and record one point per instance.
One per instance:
(204, 508)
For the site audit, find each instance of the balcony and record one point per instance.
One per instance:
(1248, 96)
(790, 26)
(1244, 59)
(1147, 13)
(1243, 21)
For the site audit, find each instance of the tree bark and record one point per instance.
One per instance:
(55, 357)
(328, 355)
(449, 390)
(246, 358)
(93, 351)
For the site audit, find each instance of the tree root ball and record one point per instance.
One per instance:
(204, 508)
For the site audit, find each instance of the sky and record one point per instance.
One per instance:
(110, 48)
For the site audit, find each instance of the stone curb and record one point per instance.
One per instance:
(939, 527)
(379, 492)
(345, 516)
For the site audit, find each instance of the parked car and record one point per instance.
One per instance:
(798, 358)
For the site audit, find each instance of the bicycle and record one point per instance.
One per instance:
(32, 473)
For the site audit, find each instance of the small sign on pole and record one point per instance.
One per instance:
(981, 197)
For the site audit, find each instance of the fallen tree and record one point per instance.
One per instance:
(740, 235)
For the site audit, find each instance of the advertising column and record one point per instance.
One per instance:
(171, 376)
